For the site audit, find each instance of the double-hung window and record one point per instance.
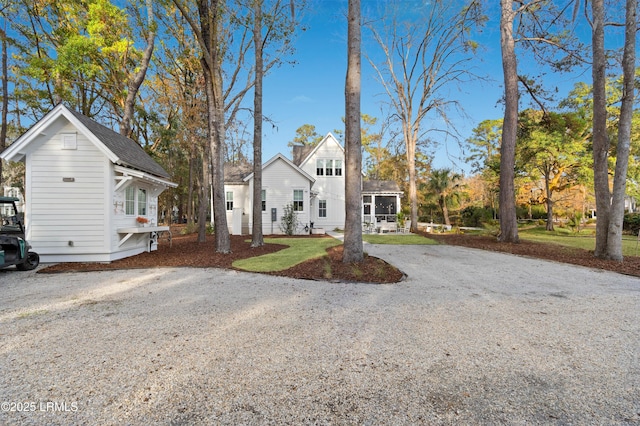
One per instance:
(328, 167)
(298, 200)
(338, 169)
(322, 208)
(320, 167)
(229, 200)
(264, 200)
(142, 202)
(130, 201)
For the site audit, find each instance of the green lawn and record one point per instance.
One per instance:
(399, 239)
(302, 249)
(299, 250)
(585, 239)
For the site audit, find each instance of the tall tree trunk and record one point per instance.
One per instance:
(548, 195)
(138, 78)
(5, 98)
(216, 126)
(212, 70)
(616, 215)
(190, 191)
(549, 226)
(223, 240)
(353, 250)
(411, 170)
(600, 137)
(256, 227)
(203, 199)
(445, 211)
(508, 219)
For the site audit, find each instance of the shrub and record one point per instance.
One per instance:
(538, 211)
(476, 216)
(575, 221)
(289, 220)
(191, 228)
(631, 223)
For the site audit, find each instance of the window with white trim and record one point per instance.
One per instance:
(298, 200)
(264, 200)
(322, 208)
(142, 202)
(328, 168)
(320, 167)
(135, 201)
(130, 201)
(338, 168)
(229, 200)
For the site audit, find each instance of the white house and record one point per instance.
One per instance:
(313, 182)
(85, 188)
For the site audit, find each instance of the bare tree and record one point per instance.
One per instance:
(208, 34)
(138, 78)
(423, 58)
(539, 26)
(353, 250)
(229, 27)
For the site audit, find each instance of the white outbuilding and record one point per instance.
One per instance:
(91, 194)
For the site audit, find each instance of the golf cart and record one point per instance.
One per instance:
(14, 249)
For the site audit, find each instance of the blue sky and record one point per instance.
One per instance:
(312, 91)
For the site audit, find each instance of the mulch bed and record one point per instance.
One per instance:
(185, 251)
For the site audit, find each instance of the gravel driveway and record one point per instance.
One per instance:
(470, 337)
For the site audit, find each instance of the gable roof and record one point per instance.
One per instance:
(119, 149)
(288, 162)
(315, 148)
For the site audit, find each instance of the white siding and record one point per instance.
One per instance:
(139, 242)
(329, 188)
(240, 200)
(279, 180)
(67, 217)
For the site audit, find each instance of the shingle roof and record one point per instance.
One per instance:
(380, 186)
(235, 173)
(127, 150)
